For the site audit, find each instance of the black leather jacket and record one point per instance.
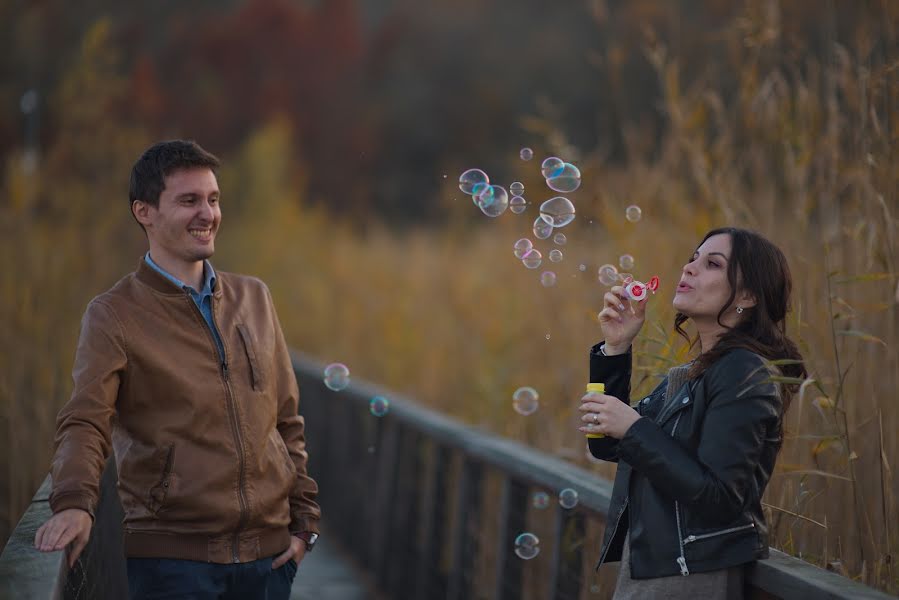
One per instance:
(692, 471)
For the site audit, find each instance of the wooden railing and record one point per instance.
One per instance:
(428, 506)
(432, 507)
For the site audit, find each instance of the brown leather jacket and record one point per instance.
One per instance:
(211, 455)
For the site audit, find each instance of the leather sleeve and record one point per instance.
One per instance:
(615, 373)
(304, 512)
(83, 425)
(742, 407)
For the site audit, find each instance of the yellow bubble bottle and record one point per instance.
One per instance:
(596, 388)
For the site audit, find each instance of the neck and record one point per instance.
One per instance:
(709, 333)
(190, 273)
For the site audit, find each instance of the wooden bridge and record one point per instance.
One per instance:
(416, 506)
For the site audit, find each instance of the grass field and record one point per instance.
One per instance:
(446, 314)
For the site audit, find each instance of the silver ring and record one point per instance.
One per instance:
(595, 418)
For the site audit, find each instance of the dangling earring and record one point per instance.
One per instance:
(739, 310)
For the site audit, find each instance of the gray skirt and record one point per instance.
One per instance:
(724, 584)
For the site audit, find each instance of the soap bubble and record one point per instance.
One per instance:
(626, 261)
(560, 239)
(547, 278)
(522, 247)
(379, 406)
(633, 213)
(568, 498)
(582, 267)
(555, 255)
(337, 376)
(517, 188)
(470, 178)
(558, 211)
(517, 204)
(481, 192)
(532, 258)
(526, 154)
(608, 274)
(542, 229)
(566, 180)
(525, 400)
(541, 500)
(493, 200)
(551, 167)
(527, 546)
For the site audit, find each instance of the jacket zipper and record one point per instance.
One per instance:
(681, 560)
(240, 456)
(693, 538)
(614, 531)
(235, 428)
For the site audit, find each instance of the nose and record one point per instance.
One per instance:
(690, 268)
(207, 212)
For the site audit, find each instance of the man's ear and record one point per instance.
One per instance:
(141, 212)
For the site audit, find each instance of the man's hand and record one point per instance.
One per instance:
(296, 551)
(70, 526)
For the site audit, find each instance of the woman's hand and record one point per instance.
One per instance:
(620, 320)
(606, 414)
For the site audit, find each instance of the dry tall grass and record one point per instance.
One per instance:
(449, 316)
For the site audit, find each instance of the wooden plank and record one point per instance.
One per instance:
(428, 584)
(569, 531)
(385, 484)
(464, 537)
(405, 525)
(512, 521)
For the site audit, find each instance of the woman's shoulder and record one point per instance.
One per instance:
(745, 369)
(741, 358)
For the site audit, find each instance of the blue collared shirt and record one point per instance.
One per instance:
(203, 298)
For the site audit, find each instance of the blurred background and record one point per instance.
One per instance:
(343, 126)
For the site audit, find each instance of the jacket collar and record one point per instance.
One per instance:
(162, 284)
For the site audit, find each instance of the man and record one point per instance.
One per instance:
(184, 371)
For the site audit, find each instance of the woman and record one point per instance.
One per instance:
(696, 454)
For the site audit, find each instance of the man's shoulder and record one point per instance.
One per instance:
(239, 281)
(237, 286)
(121, 291)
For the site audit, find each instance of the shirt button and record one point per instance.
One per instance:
(685, 400)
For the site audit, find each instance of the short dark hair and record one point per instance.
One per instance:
(160, 160)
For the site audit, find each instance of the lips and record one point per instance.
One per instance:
(683, 287)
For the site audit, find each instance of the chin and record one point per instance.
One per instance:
(203, 254)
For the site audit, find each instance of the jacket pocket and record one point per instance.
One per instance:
(698, 537)
(258, 378)
(159, 492)
(284, 453)
(708, 544)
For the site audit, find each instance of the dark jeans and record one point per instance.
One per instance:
(167, 579)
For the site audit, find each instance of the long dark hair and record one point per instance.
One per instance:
(759, 267)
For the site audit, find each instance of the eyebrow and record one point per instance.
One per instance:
(195, 194)
(711, 253)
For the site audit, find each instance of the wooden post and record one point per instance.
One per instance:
(512, 521)
(569, 531)
(465, 535)
(428, 579)
(402, 544)
(384, 491)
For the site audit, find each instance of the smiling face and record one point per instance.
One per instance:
(703, 289)
(182, 228)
